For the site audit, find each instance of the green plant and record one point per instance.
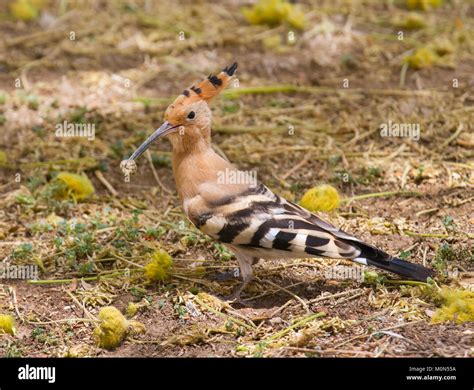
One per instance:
(22, 252)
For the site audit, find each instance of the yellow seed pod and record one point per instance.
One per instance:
(412, 21)
(321, 198)
(158, 268)
(3, 158)
(136, 328)
(23, 10)
(7, 324)
(112, 328)
(424, 5)
(458, 306)
(422, 58)
(132, 309)
(74, 186)
(274, 13)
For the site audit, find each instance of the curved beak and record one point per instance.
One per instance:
(165, 129)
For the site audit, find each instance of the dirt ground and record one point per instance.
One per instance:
(306, 111)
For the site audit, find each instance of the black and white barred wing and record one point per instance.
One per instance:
(260, 219)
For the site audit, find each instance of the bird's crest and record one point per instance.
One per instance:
(208, 88)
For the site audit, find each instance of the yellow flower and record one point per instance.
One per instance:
(7, 324)
(274, 13)
(73, 186)
(321, 198)
(159, 266)
(424, 5)
(422, 58)
(23, 10)
(112, 328)
(458, 306)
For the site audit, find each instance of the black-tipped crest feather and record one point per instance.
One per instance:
(231, 69)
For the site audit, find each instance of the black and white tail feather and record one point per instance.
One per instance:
(259, 224)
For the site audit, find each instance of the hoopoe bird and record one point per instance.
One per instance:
(247, 217)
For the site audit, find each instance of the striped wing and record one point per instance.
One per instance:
(257, 218)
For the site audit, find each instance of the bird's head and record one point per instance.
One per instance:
(188, 119)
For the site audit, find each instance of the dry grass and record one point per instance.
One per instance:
(413, 199)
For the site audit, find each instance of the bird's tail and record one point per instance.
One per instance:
(377, 258)
(404, 268)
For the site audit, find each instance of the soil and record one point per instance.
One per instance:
(119, 74)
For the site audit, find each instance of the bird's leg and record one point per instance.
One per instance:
(235, 296)
(245, 264)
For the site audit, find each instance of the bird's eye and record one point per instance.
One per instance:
(191, 115)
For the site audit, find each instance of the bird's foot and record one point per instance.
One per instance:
(222, 276)
(235, 296)
(233, 299)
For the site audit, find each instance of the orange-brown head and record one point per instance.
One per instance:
(188, 118)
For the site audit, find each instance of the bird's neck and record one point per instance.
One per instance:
(195, 166)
